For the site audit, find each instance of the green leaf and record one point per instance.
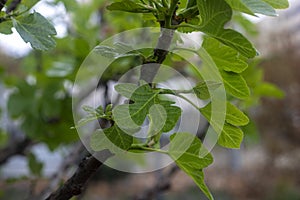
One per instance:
(123, 47)
(144, 97)
(198, 176)
(186, 149)
(190, 12)
(173, 114)
(23, 101)
(35, 165)
(50, 105)
(126, 89)
(268, 90)
(233, 115)
(235, 84)
(278, 4)
(92, 111)
(231, 137)
(118, 137)
(191, 3)
(193, 21)
(224, 57)
(30, 3)
(112, 138)
(157, 119)
(99, 141)
(123, 119)
(21, 8)
(36, 29)
(60, 69)
(214, 15)
(131, 117)
(114, 53)
(240, 6)
(92, 115)
(252, 6)
(5, 27)
(108, 109)
(246, 24)
(202, 89)
(129, 6)
(260, 7)
(237, 41)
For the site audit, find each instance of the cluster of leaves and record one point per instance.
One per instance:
(32, 27)
(229, 50)
(44, 111)
(40, 98)
(41, 87)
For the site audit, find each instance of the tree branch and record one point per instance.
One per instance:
(74, 186)
(88, 167)
(18, 148)
(76, 154)
(150, 67)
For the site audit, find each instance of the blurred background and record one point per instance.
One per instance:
(39, 150)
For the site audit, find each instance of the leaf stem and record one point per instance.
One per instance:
(183, 91)
(189, 12)
(173, 6)
(165, 3)
(143, 147)
(196, 27)
(189, 101)
(194, 68)
(174, 92)
(171, 13)
(8, 17)
(150, 8)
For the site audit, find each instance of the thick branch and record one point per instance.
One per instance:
(72, 159)
(150, 68)
(74, 186)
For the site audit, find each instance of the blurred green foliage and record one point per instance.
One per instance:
(41, 84)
